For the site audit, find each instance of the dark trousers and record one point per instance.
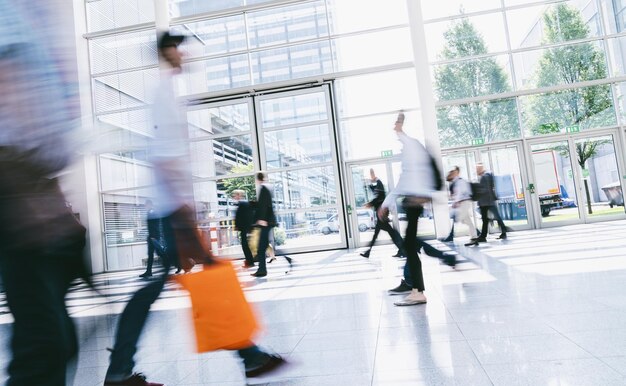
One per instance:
(44, 338)
(150, 255)
(411, 245)
(135, 314)
(264, 241)
(429, 250)
(395, 235)
(484, 214)
(243, 236)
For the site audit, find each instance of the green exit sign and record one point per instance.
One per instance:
(478, 141)
(386, 153)
(572, 129)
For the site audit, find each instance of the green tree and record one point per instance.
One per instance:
(577, 108)
(244, 183)
(459, 125)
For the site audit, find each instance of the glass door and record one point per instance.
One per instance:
(362, 219)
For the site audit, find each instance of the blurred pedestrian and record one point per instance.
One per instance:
(462, 205)
(487, 202)
(378, 190)
(419, 179)
(41, 242)
(243, 224)
(265, 219)
(154, 235)
(174, 187)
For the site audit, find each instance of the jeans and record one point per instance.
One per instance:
(484, 213)
(395, 235)
(243, 237)
(429, 250)
(136, 312)
(150, 255)
(44, 338)
(264, 241)
(413, 261)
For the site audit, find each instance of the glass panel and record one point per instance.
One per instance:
(617, 55)
(620, 92)
(363, 194)
(214, 75)
(601, 178)
(360, 95)
(426, 223)
(135, 120)
(466, 37)
(552, 23)
(213, 197)
(372, 49)
(357, 134)
(505, 165)
(305, 188)
(554, 182)
(462, 161)
(229, 119)
(120, 91)
(123, 51)
(118, 171)
(109, 14)
(443, 8)
(568, 110)
(560, 65)
(291, 62)
(298, 146)
(214, 36)
(192, 7)
(303, 108)
(470, 78)
(614, 13)
(478, 123)
(221, 156)
(310, 229)
(371, 14)
(287, 24)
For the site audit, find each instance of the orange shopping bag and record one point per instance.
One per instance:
(222, 317)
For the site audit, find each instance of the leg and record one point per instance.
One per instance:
(395, 235)
(243, 236)
(261, 249)
(136, 312)
(465, 217)
(373, 241)
(498, 218)
(44, 339)
(150, 257)
(484, 215)
(410, 243)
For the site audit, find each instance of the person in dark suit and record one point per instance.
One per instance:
(154, 232)
(378, 189)
(243, 223)
(265, 219)
(487, 202)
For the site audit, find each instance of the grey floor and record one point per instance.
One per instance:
(546, 307)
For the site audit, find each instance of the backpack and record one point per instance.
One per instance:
(475, 191)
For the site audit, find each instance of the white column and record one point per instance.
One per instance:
(161, 15)
(429, 113)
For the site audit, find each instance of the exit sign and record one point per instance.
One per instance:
(572, 129)
(386, 153)
(478, 141)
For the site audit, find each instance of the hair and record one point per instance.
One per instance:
(239, 192)
(260, 176)
(456, 168)
(148, 202)
(372, 171)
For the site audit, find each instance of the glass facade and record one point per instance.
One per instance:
(502, 70)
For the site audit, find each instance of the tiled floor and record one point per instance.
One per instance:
(546, 307)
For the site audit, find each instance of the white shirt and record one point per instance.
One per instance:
(416, 178)
(169, 150)
(461, 191)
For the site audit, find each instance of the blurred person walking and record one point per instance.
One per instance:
(378, 189)
(41, 242)
(265, 219)
(487, 201)
(419, 179)
(243, 223)
(154, 235)
(174, 188)
(462, 205)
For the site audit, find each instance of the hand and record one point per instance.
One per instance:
(368, 205)
(261, 223)
(455, 204)
(383, 213)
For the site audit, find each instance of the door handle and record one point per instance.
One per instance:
(349, 209)
(531, 188)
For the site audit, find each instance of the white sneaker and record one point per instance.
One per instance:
(412, 299)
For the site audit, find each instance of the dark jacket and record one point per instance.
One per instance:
(154, 225)
(378, 189)
(244, 217)
(264, 207)
(486, 190)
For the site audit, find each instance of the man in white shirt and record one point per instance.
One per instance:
(462, 201)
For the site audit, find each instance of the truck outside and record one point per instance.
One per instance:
(547, 186)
